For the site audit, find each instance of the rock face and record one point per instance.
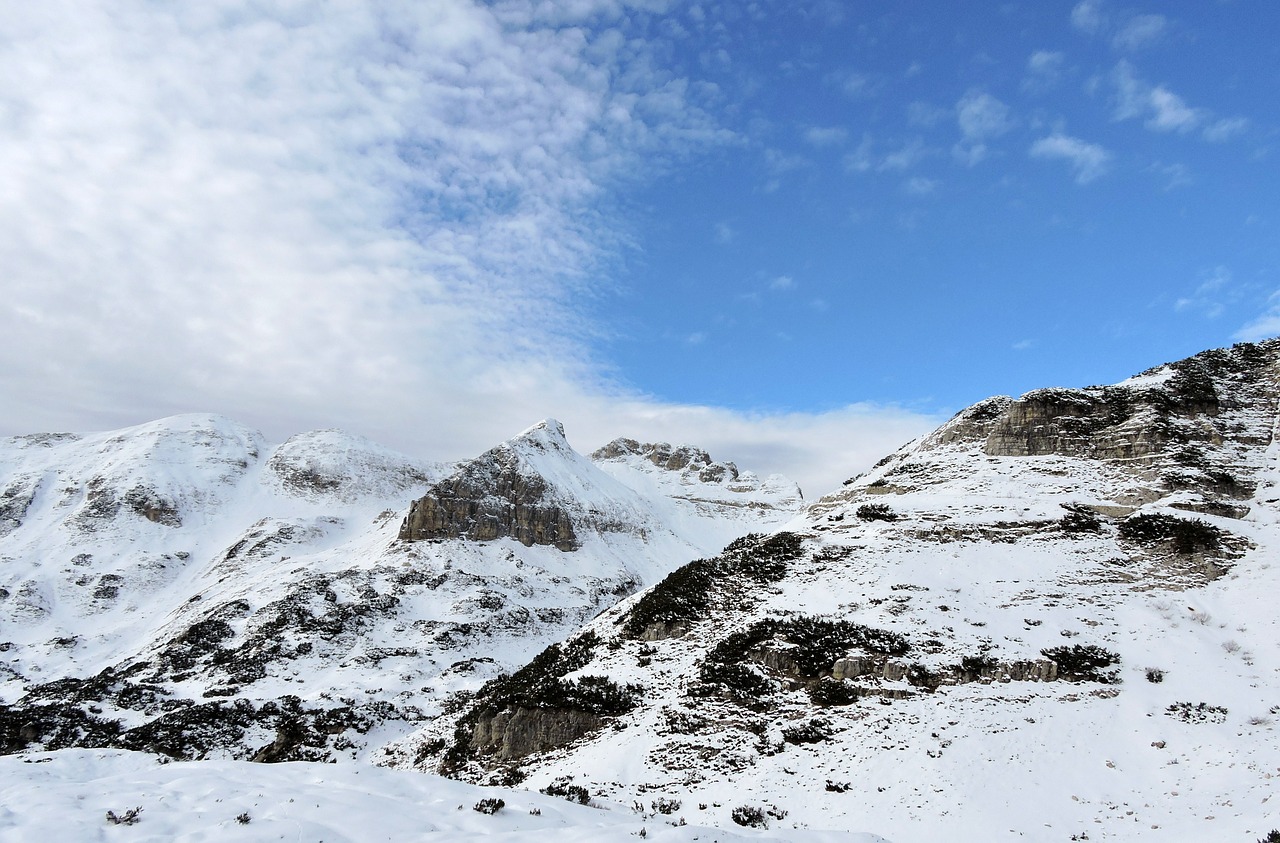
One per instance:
(483, 506)
(499, 494)
(510, 735)
(1185, 426)
(683, 458)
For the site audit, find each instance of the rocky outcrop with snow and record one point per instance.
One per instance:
(183, 587)
(1052, 618)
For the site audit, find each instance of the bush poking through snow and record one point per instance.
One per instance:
(1084, 662)
(489, 806)
(1273, 836)
(243, 818)
(685, 593)
(129, 817)
(1080, 521)
(750, 816)
(831, 692)
(565, 789)
(1197, 712)
(815, 731)
(663, 805)
(877, 512)
(1188, 535)
(1155, 675)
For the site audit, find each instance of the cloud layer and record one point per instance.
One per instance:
(380, 216)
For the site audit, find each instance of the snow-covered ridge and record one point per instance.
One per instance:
(185, 586)
(1050, 619)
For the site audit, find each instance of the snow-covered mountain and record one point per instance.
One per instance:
(1051, 619)
(183, 587)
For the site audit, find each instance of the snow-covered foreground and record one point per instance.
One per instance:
(66, 795)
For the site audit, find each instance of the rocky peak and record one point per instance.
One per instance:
(1187, 429)
(547, 436)
(533, 488)
(682, 458)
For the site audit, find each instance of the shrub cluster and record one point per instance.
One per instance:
(566, 789)
(1084, 662)
(751, 816)
(830, 692)
(876, 512)
(1188, 535)
(1197, 712)
(815, 731)
(541, 684)
(685, 593)
(1080, 521)
(489, 805)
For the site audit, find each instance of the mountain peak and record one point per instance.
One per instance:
(546, 435)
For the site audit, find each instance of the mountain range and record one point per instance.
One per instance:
(1051, 619)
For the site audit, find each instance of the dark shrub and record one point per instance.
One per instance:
(1188, 535)
(686, 592)
(489, 806)
(876, 512)
(565, 789)
(749, 815)
(978, 665)
(663, 805)
(815, 731)
(1083, 662)
(1155, 674)
(1197, 712)
(829, 692)
(1080, 521)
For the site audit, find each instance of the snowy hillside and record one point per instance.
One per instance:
(1051, 619)
(183, 587)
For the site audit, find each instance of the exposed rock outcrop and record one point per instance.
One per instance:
(496, 495)
(509, 735)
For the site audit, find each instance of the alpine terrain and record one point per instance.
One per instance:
(1052, 619)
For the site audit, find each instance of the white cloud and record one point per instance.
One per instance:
(724, 234)
(1212, 294)
(926, 115)
(380, 217)
(1225, 129)
(825, 135)
(1175, 175)
(920, 186)
(866, 159)
(854, 84)
(1087, 16)
(904, 157)
(782, 282)
(817, 450)
(1044, 70)
(1089, 160)
(1170, 113)
(1140, 31)
(1164, 111)
(1265, 326)
(981, 117)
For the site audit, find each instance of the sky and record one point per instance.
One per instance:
(797, 234)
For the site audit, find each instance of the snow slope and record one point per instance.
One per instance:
(184, 587)
(1052, 619)
(66, 796)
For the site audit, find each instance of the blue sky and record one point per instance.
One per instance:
(926, 203)
(795, 233)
